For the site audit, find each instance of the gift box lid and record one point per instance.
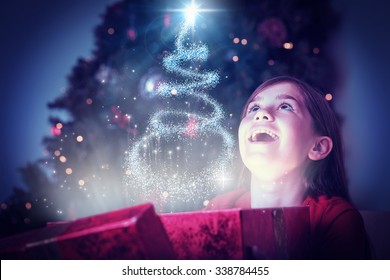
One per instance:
(133, 232)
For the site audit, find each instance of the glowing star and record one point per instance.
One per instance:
(185, 174)
(191, 12)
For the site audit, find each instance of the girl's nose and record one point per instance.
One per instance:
(263, 115)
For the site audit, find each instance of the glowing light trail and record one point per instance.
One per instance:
(179, 176)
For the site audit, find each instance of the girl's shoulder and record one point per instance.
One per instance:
(327, 201)
(325, 205)
(325, 211)
(338, 228)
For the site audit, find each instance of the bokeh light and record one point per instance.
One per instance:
(328, 96)
(111, 31)
(288, 45)
(28, 205)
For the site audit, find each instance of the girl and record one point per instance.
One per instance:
(290, 144)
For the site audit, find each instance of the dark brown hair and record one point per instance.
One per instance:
(326, 176)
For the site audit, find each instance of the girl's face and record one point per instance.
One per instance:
(276, 134)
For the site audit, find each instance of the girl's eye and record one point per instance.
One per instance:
(253, 108)
(286, 106)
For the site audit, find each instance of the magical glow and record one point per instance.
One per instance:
(190, 13)
(169, 163)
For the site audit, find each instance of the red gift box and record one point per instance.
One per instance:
(205, 235)
(138, 233)
(130, 233)
(274, 233)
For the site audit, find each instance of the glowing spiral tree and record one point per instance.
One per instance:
(185, 156)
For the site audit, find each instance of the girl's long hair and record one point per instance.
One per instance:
(326, 176)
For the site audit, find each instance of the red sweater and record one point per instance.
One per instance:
(337, 228)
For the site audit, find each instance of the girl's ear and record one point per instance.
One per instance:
(322, 147)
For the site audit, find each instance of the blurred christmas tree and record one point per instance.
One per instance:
(111, 95)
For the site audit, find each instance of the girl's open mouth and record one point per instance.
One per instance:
(262, 135)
